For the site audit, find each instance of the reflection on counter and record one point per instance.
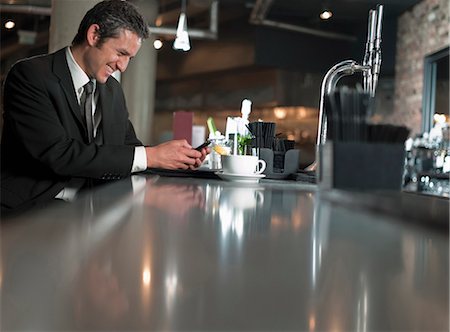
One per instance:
(244, 208)
(194, 254)
(182, 198)
(239, 205)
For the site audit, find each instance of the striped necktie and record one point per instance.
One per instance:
(86, 109)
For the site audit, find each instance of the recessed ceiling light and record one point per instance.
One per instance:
(10, 24)
(157, 44)
(326, 14)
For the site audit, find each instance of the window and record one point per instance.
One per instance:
(435, 88)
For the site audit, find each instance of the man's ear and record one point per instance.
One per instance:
(92, 35)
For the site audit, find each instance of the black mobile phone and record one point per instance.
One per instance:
(204, 145)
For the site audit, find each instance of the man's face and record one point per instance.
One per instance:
(114, 54)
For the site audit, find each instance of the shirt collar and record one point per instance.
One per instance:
(79, 77)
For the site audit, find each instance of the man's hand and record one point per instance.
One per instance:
(177, 154)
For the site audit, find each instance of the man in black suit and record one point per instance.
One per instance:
(65, 118)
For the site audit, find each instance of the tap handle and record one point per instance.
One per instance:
(372, 27)
(376, 61)
(369, 27)
(379, 26)
(368, 51)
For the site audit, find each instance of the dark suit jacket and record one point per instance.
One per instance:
(44, 141)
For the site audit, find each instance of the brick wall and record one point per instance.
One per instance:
(422, 31)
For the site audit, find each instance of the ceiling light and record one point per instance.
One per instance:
(326, 14)
(157, 44)
(181, 42)
(10, 24)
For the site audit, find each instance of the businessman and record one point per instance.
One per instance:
(65, 118)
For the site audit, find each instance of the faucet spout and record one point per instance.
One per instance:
(329, 82)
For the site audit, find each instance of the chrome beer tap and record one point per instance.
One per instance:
(376, 60)
(368, 55)
(370, 68)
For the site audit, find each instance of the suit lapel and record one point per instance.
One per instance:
(61, 70)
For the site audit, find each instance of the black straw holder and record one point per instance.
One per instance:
(361, 165)
(276, 171)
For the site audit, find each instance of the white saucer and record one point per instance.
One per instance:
(250, 178)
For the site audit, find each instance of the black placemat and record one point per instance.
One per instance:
(198, 173)
(303, 176)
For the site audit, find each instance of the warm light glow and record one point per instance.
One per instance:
(326, 14)
(157, 44)
(276, 222)
(296, 219)
(302, 112)
(312, 323)
(146, 277)
(10, 24)
(280, 113)
(158, 21)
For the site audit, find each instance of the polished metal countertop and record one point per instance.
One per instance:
(205, 254)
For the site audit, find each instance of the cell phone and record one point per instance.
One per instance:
(204, 145)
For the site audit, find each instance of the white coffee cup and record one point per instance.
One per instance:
(242, 164)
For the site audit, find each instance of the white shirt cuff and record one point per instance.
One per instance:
(140, 159)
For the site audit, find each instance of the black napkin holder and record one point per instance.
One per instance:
(361, 165)
(279, 165)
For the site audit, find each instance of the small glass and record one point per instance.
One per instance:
(220, 144)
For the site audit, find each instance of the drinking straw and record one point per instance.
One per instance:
(211, 126)
(334, 117)
(269, 131)
(259, 134)
(347, 113)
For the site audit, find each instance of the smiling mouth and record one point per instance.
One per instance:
(111, 70)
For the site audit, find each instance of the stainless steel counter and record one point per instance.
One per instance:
(204, 254)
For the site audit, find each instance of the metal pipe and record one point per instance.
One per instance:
(22, 9)
(214, 17)
(260, 10)
(310, 31)
(258, 17)
(194, 33)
